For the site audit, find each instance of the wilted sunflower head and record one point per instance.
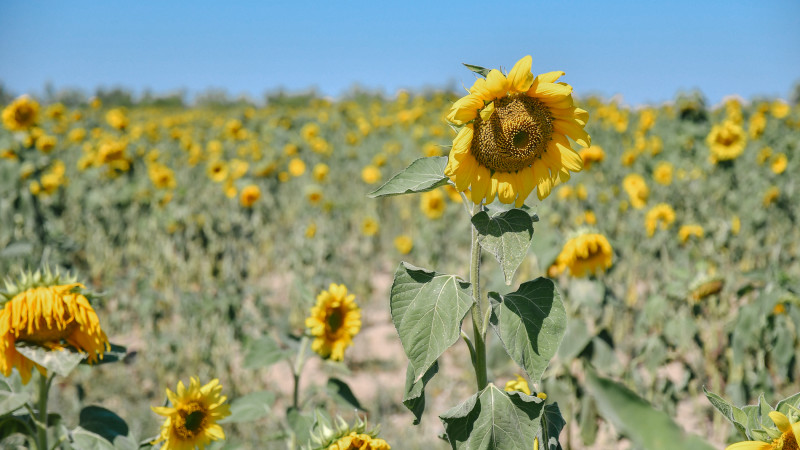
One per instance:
(21, 114)
(587, 252)
(513, 136)
(337, 434)
(42, 309)
(191, 420)
(334, 321)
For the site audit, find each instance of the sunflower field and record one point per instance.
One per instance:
(249, 251)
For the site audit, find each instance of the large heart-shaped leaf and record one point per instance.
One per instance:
(414, 398)
(506, 235)
(530, 323)
(427, 310)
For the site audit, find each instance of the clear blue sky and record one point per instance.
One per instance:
(646, 51)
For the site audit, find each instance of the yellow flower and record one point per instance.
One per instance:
(359, 441)
(321, 171)
(249, 196)
(786, 441)
(726, 141)
(297, 167)
(162, 176)
(334, 321)
(686, 231)
(314, 195)
(771, 195)
(514, 137)
(370, 174)
(217, 171)
(758, 122)
(637, 190)
(780, 109)
(369, 227)
(453, 194)
(763, 155)
(48, 315)
(311, 230)
(192, 419)
(661, 214)
(585, 253)
(662, 174)
(21, 114)
(591, 155)
(736, 225)
(403, 244)
(117, 119)
(520, 384)
(432, 204)
(778, 164)
(46, 143)
(628, 158)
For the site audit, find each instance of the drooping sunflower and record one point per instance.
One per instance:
(592, 155)
(41, 311)
(249, 196)
(637, 190)
(334, 321)
(514, 135)
(192, 419)
(687, 231)
(359, 441)
(661, 214)
(786, 441)
(585, 253)
(21, 114)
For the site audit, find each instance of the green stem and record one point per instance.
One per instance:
(44, 388)
(478, 309)
(297, 369)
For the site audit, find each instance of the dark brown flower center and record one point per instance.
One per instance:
(514, 136)
(23, 114)
(190, 421)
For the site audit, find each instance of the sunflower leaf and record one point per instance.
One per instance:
(530, 323)
(250, 407)
(638, 420)
(734, 414)
(552, 424)
(482, 71)
(427, 310)
(414, 398)
(507, 235)
(341, 391)
(102, 421)
(61, 361)
(264, 353)
(424, 174)
(494, 419)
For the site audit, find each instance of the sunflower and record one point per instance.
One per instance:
(297, 167)
(726, 141)
(370, 174)
(779, 163)
(21, 114)
(637, 190)
(192, 418)
(321, 171)
(786, 441)
(661, 214)
(369, 227)
(359, 441)
(520, 384)
(514, 133)
(403, 244)
(42, 312)
(587, 252)
(249, 196)
(591, 155)
(771, 195)
(662, 174)
(217, 171)
(333, 322)
(686, 231)
(432, 204)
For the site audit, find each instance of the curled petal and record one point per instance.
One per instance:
(520, 77)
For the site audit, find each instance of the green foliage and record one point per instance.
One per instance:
(250, 407)
(637, 419)
(61, 361)
(102, 422)
(263, 353)
(530, 323)
(424, 174)
(506, 235)
(414, 398)
(340, 391)
(482, 71)
(427, 310)
(494, 419)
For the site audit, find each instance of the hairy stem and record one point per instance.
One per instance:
(478, 309)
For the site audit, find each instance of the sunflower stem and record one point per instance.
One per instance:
(478, 309)
(41, 436)
(297, 370)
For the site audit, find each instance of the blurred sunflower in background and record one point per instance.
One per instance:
(334, 321)
(726, 141)
(192, 419)
(661, 215)
(40, 309)
(637, 190)
(585, 253)
(514, 135)
(432, 203)
(21, 114)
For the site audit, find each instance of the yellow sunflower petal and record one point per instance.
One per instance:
(465, 173)
(520, 77)
(781, 421)
(525, 184)
(550, 77)
(480, 184)
(505, 188)
(549, 90)
(749, 445)
(491, 193)
(465, 109)
(497, 84)
(480, 89)
(573, 130)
